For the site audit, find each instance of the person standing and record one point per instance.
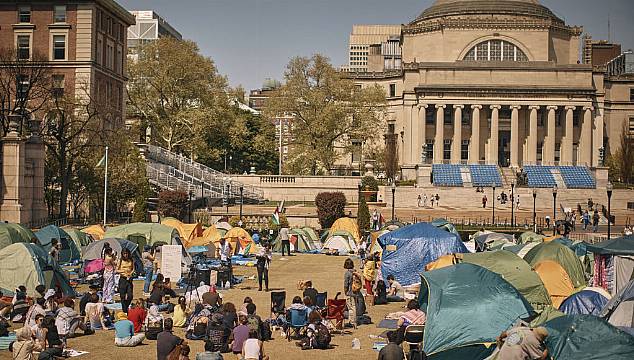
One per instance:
(264, 258)
(369, 273)
(148, 268)
(484, 201)
(595, 221)
(225, 251)
(419, 200)
(432, 200)
(126, 272)
(108, 275)
(585, 219)
(54, 252)
(286, 244)
(352, 285)
(425, 200)
(437, 200)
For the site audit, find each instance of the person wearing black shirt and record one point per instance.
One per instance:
(86, 299)
(53, 345)
(310, 291)
(166, 342)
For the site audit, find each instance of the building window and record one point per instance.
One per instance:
(59, 14)
(59, 47)
(24, 14)
(58, 85)
(23, 47)
(557, 152)
(576, 121)
(495, 50)
(448, 119)
(21, 87)
(430, 116)
(464, 150)
(447, 150)
(540, 150)
(356, 151)
(631, 126)
(632, 95)
(99, 50)
(428, 151)
(392, 90)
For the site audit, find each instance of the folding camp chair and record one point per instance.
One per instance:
(278, 303)
(414, 337)
(321, 300)
(297, 321)
(335, 313)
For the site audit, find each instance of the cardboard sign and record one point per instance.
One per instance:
(171, 262)
(213, 277)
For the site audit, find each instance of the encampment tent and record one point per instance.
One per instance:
(94, 249)
(80, 238)
(241, 241)
(530, 236)
(445, 225)
(96, 231)
(223, 225)
(188, 232)
(615, 256)
(69, 250)
(344, 244)
(30, 265)
(349, 225)
(209, 236)
(563, 256)
(407, 250)
(520, 249)
(299, 241)
(493, 306)
(492, 241)
(556, 281)
(586, 301)
(145, 234)
(619, 311)
(15, 233)
(587, 337)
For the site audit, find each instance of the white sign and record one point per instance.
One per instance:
(171, 256)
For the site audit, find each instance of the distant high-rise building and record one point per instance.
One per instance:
(599, 53)
(149, 26)
(362, 38)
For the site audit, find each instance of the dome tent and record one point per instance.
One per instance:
(30, 265)
(556, 281)
(80, 238)
(586, 301)
(93, 251)
(346, 224)
(96, 231)
(14, 233)
(562, 255)
(69, 250)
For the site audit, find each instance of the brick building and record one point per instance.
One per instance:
(84, 41)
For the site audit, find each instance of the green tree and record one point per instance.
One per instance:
(328, 111)
(363, 217)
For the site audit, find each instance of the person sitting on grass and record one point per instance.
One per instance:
(157, 296)
(154, 323)
(5, 307)
(20, 307)
(68, 320)
(380, 297)
(317, 334)
(392, 351)
(94, 313)
(23, 347)
(137, 314)
(124, 335)
(185, 350)
(395, 292)
(209, 354)
(239, 335)
(180, 312)
(413, 315)
(253, 348)
(218, 334)
(86, 298)
(229, 316)
(255, 322)
(166, 342)
(247, 301)
(38, 333)
(53, 344)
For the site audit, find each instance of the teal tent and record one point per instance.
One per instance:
(14, 233)
(445, 225)
(467, 305)
(69, 250)
(587, 337)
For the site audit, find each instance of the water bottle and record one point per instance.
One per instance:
(227, 285)
(356, 344)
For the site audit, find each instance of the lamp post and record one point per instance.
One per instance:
(241, 200)
(513, 203)
(393, 195)
(554, 208)
(609, 189)
(191, 195)
(359, 198)
(534, 212)
(493, 220)
(227, 191)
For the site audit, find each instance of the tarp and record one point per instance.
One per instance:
(556, 281)
(584, 302)
(407, 250)
(30, 265)
(188, 232)
(619, 311)
(466, 305)
(69, 250)
(492, 241)
(80, 238)
(587, 337)
(619, 246)
(209, 236)
(93, 251)
(343, 244)
(528, 237)
(349, 225)
(563, 256)
(14, 233)
(96, 231)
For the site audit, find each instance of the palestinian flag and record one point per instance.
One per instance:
(276, 216)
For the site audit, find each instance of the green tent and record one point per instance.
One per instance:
(69, 251)
(563, 256)
(14, 233)
(303, 244)
(587, 337)
(547, 314)
(520, 249)
(310, 232)
(530, 236)
(30, 265)
(467, 304)
(619, 246)
(514, 270)
(80, 238)
(145, 234)
(445, 225)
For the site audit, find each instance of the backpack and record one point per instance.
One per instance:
(322, 337)
(357, 283)
(153, 329)
(4, 327)
(254, 324)
(266, 331)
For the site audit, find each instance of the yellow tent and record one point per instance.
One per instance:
(374, 245)
(551, 238)
(556, 281)
(241, 241)
(96, 231)
(210, 235)
(346, 224)
(441, 262)
(188, 232)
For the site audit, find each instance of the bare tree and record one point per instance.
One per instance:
(25, 85)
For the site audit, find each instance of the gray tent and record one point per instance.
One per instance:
(619, 311)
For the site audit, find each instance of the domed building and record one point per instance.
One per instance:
(497, 83)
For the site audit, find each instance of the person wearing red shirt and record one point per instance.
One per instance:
(137, 314)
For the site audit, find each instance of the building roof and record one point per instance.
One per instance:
(444, 8)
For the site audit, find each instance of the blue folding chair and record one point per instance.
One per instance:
(297, 320)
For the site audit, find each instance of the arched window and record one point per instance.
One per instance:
(495, 50)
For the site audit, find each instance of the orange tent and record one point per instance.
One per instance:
(241, 241)
(551, 238)
(556, 281)
(187, 232)
(96, 231)
(441, 262)
(209, 236)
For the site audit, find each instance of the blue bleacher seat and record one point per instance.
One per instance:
(577, 177)
(540, 176)
(485, 175)
(447, 175)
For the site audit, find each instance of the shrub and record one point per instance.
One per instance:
(139, 214)
(363, 217)
(370, 183)
(330, 207)
(173, 203)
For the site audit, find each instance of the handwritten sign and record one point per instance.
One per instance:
(171, 262)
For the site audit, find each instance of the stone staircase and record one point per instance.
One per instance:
(465, 173)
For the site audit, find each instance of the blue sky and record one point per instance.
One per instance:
(251, 40)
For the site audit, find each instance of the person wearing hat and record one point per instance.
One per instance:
(124, 332)
(148, 267)
(522, 343)
(85, 299)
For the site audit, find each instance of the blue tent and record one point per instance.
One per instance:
(584, 302)
(69, 251)
(407, 250)
(587, 337)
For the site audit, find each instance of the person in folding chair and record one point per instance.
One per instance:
(335, 312)
(296, 317)
(278, 308)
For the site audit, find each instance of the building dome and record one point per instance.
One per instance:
(469, 8)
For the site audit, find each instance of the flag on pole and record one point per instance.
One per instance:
(101, 162)
(276, 216)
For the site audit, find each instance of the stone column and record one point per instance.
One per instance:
(407, 134)
(474, 144)
(548, 157)
(13, 172)
(531, 157)
(493, 141)
(597, 138)
(440, 134)
(515, 129)
(457, 134)
(422, 132)
(585, 142)
(568, 140)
